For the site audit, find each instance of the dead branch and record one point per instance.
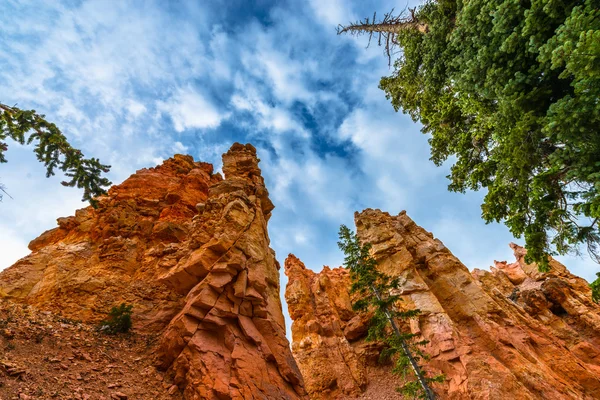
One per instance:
(387, 29)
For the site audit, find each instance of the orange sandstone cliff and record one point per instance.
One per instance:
(508, 333)
(190, 251)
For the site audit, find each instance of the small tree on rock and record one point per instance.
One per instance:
(118, 321)
(376, 294)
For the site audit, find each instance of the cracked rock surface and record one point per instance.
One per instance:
(228, 340)
(510, 332)
(190, 251)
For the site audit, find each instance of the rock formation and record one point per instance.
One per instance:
(228, 341)
(118, 251)
(324, 325)
(508, 333)
(190, 251)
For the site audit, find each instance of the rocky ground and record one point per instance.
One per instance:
(44, 356)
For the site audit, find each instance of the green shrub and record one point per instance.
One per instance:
(118, 321)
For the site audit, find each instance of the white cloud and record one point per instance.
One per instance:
(333, 12)
(179, 147)
(391, 154)
(35, 205)
(462, 234)
(268, 118)
(457, 232)
(300, 238)
(68, 111)
(86, 68)
(220, 45)
(135, 108)
(189, 109)
(305, 183)
(580, 265)
(13, 246)
(270, 57)
(283, 74)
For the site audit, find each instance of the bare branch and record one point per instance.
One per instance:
(3, 189)
(387, 29)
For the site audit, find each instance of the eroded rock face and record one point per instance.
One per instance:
(511, 332)
(228, 341)
(117, 252)
(324, 324)
(190, 251)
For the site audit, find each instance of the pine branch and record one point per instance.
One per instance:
(53, 150)
(3, 189)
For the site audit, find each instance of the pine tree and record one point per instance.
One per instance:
(375, 291)
(53, 150)
(510, 92)
(118, 321)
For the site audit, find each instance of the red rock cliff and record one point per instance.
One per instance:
(118, 251)
(190, 251)
(508, 333)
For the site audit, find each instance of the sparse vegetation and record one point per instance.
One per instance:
(376, 294)
(69, 321)
(118, 321)
(596, 288)
(39, 337)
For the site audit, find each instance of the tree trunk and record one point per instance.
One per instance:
(386, 27)
(429, 395)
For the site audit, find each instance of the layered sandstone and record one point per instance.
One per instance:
(324, 327)
(118, 251)
(228, 341)
(190, 251)
(511, 332)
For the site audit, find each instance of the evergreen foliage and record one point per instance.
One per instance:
(596, 288)
(53, 150)
(118, 321)
(509, 91)
(375, 291)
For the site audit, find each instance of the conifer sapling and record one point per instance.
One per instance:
(377, 294)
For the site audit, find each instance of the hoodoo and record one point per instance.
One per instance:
(508, 333)
(190, 251)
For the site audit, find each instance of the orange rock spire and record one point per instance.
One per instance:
(509, 333)
(190, 251)
(228, 341)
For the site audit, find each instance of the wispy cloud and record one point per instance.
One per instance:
(334, 12)
(188, 109)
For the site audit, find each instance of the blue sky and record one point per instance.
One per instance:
(133, 82)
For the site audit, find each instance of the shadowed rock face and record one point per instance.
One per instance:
(511, 332)
(190, 251)
(324, 325)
